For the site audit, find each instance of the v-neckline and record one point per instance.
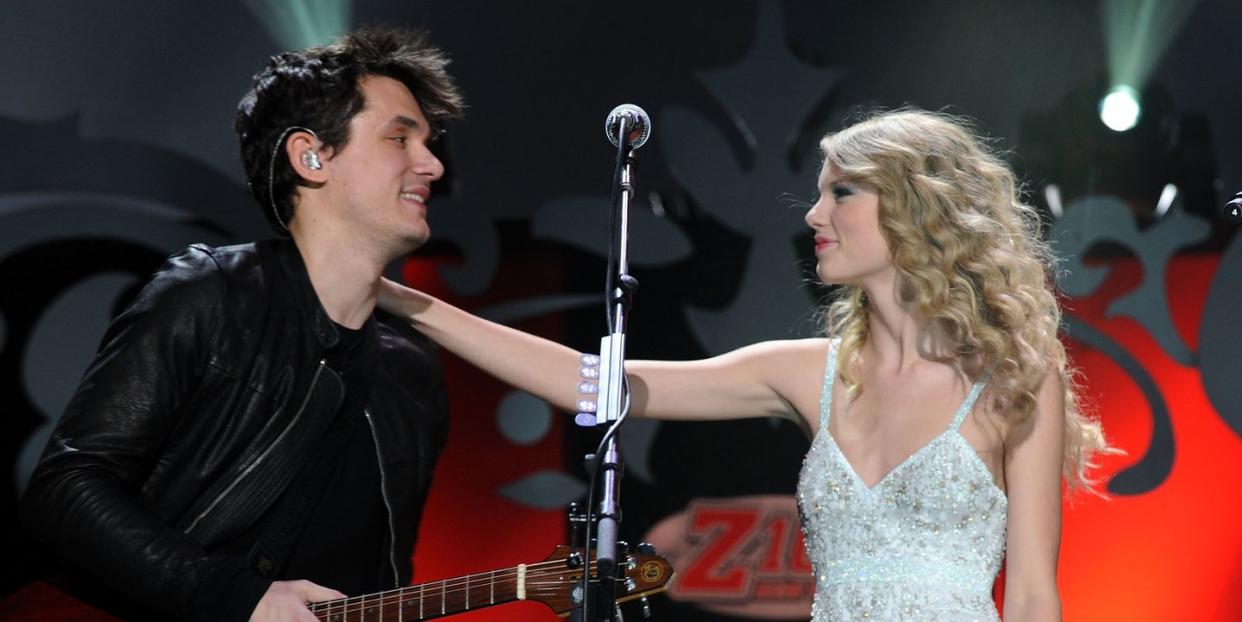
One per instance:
(953, 427)
(849, 466)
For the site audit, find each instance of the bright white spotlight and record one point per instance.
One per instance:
(1052, 194)
(1166, 200)
(1119, 110)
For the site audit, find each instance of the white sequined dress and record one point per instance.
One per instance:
(923, 544)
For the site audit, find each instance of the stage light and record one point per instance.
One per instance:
(1120, 110)
(1167, 196)
(298, 24)
(1136, 35)
(1052, 195)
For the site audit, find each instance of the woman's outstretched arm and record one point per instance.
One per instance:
(765, 379)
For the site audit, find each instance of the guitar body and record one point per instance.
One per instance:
(44, 601)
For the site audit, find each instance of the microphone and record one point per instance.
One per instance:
(636, 120)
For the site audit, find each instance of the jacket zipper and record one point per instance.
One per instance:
(392, 532)
(257, 461)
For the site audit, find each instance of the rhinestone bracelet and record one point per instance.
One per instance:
(588, 389)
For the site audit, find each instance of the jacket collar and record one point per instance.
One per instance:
(307, 300)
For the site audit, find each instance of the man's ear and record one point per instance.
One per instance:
(306, 156)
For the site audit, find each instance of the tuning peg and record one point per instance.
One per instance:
(574, 560)
(577, 519)
(645, 548)
(617, 615)
(642, 600)
(624, 560)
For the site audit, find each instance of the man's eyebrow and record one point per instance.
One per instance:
(406, 121)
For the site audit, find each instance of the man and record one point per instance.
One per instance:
(241, 444)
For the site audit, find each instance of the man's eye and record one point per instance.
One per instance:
(400, 139)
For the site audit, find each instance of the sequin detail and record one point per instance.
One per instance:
(924, 544)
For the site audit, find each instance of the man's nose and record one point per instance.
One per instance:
(424, 162)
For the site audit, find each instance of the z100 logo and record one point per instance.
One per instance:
(742, 556)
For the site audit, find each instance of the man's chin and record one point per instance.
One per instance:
(414, 240)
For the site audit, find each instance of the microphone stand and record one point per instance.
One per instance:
(613, 397)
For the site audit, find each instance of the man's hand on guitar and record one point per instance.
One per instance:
(285, 601)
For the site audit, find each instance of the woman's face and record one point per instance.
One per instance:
(848, 242)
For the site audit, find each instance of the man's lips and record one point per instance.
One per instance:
(418, 195)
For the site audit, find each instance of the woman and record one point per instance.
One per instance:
(941, 407)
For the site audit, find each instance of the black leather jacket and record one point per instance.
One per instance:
(202, 404)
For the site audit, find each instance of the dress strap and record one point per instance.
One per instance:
(964, 410)
(830, 374)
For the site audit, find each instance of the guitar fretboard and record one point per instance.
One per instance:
(440, 598)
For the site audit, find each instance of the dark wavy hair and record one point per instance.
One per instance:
(317, 88)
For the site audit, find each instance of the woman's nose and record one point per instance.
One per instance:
(815, 215)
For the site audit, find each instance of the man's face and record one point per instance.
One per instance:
(380, 182)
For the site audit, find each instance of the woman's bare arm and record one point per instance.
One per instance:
(753, 381)
(1033, 456)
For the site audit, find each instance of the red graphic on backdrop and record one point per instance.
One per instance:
(1174, 553)
(742, 556)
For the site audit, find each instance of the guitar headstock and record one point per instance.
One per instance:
(644, 573)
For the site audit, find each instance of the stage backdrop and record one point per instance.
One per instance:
(118, 153)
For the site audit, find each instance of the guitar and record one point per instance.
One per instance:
(555, 582)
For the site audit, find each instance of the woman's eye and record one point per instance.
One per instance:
(840, 192)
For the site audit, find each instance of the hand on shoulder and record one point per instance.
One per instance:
(400, 300)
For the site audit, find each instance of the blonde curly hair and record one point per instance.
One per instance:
(968, 252)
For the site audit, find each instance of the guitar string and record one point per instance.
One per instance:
(507, 573)
(510, 573)
(452, 596)
(451, 600)
(452, 586)
(452, 605)
(396, 596)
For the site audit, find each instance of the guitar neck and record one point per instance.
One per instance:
(553, 582)
(437, 598)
